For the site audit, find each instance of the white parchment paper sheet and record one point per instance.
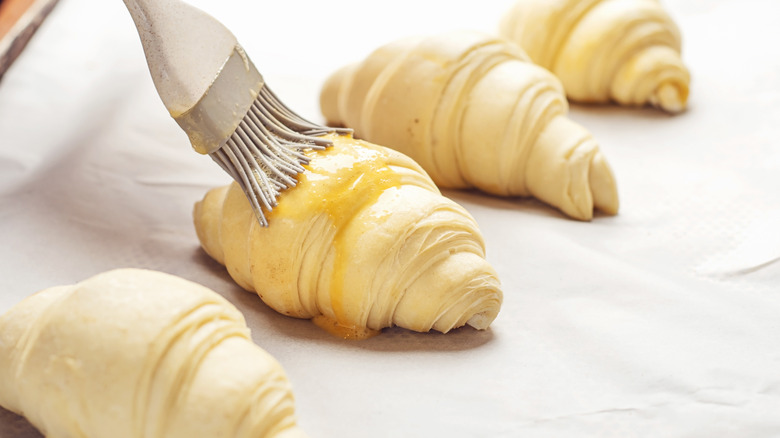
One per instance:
(662, 321)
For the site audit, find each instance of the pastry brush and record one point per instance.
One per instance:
(219, 98)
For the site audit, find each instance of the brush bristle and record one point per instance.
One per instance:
(265, 153)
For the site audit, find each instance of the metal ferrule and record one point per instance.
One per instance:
(211, 121)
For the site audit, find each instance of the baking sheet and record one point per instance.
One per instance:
(661, 321)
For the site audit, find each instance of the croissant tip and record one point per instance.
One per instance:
(329, 96)
(670, 98)
(481, 321)
(603, 185)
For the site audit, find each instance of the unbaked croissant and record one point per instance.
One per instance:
(627, 51)
(363, 242)
(474, 112)
(134, 353)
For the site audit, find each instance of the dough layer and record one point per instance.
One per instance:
(474, 112)
(365, 239)
(140, 354)
(627, 51)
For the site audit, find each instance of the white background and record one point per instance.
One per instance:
(662, 321)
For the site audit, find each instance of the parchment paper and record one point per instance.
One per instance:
(663, 321)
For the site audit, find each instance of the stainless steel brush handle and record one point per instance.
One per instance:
(201, 73)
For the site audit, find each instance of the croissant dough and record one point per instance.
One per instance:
(135, 353)
(364, 240)
(474, 112)
(622, 50)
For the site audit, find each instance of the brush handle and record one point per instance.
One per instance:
(185, 48)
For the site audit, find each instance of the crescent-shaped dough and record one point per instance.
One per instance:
(627, 51)
(133, 353)
(474, 112)
(363, 242)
